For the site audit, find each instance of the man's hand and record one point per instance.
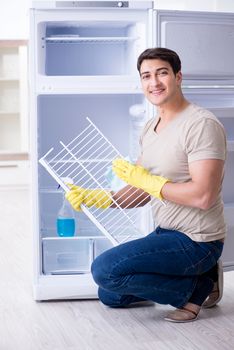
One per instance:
(98, 198)
(137, 176)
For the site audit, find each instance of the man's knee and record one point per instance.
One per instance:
(99, 271)
(108, 298)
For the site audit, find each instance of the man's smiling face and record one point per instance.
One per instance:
(159, 83)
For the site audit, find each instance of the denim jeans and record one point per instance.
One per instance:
(166, 267)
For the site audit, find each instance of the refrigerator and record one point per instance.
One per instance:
(83, 58)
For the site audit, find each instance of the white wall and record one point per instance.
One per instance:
(14, 19)
(196, 5)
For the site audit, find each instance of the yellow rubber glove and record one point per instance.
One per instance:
(137, 176)
(98, 198)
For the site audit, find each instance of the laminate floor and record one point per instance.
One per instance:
(87, 324)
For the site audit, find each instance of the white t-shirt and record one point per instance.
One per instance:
(195, 134)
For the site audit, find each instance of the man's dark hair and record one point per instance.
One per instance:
(163, 54)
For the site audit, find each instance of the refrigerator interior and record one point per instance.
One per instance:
(89, 48)
(62, 117)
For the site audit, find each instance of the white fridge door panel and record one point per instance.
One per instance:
(204, 42)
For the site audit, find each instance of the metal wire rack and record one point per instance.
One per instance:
(78, 39)
(85, 160)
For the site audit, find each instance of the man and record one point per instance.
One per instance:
(183, 150)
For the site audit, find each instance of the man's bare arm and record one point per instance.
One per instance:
(130, 197)
(201, 192)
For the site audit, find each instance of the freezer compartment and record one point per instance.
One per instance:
(89, 48)
(63, 117)
(67, 255)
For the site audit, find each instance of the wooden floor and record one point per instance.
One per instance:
(88, 325)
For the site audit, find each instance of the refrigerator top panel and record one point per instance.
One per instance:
(59, 4)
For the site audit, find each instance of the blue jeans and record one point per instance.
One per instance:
(166, 267)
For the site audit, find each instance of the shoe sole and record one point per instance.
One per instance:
(180, 321)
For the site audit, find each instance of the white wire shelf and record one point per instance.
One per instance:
(77, 39)
(78, 160)
(95, 160)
